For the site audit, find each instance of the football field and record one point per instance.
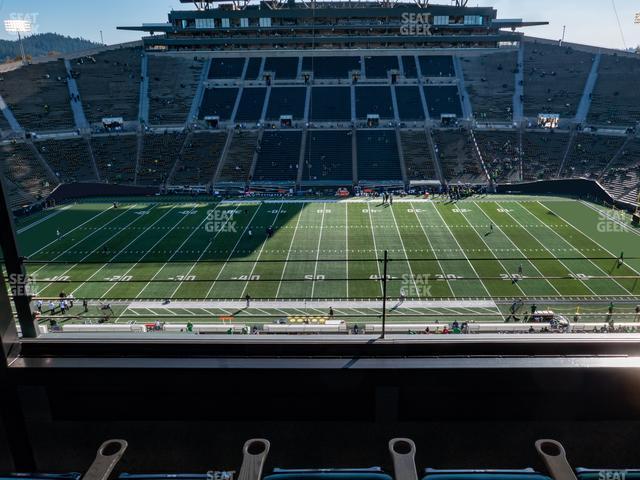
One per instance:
(470, 258)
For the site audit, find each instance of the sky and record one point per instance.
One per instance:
(592, 22)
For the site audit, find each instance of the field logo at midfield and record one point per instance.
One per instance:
(611, 221)
(415, 286)
(221, 221)
(23, 285)
(415, 24)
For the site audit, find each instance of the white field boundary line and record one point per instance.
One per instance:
(255, 264)
(461, 250)
(184, 217)
(591, 239)
(95, 249)
(613, 219)
(346, 252)
(404, 251)
(551, 252)
(43, 219)
(511, 275)
(444, 275)
(123, 249)
(375, 248)
(196, 229)
(89, 236)
(315, 268)
(246, 228)
(284, 268)
(524, 257)
(70, 231)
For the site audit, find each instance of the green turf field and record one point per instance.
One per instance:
(444, 257)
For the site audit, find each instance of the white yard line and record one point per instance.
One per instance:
(548, 250)
(578, 251)
(284, 268)
(513, 243)
(255, 264)
(232, 250)
(375, 248)
(460, 247)
(43, 219)
(346, 252)
(511, 275)
(404, 251)
(432, 249)
(175, 252)
(85, 238)
(123, 249)
(70, 232)
(315, 269)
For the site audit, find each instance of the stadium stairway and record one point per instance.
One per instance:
(467, 110)
(143, 106)
(194, 112)
(76, 106)
(518, 94)
(585, 102)
(8, 115)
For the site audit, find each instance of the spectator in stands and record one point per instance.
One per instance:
(637, 313)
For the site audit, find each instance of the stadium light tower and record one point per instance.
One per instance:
(18, 26)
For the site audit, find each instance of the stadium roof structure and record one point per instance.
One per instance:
(231, 24)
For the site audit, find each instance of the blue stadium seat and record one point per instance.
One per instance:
(521, 474)
(443, 100)
(331, 67)
(286, 101)
(409, 103)
(278, 157)
(330, 103)
(437, 66)
(409, 64)
(253, 69)
(374, 100)
(226, 68)
(378, 157)
(285, 68)
(379, 66)
(251, 103)
(328, 157)
(373, 473)
(218, 101)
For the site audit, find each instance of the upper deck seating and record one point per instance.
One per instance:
(253, 68)
(501, 154)
(278, 156)
(286, 101)
(409, 65)
(218, 101)
(459, 163)
(417, 155)
(554, 79)
(330, 103)
(443, 100)
(251, 104)
(237, 165)
(199, 159)
(374, 100)
(590, 154)
(109, 84)
(380, 66)
(331, 67)
(284, 68)
(173, 82)
(226, 68)
(542, 154)
(70, 160)
(437, 66)
(20, 166)
(38, 96)
(409, 103)
(328, 156)
(115, 157)
(490, 82)
(378, 157)
(159, 154)
(614, 101)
